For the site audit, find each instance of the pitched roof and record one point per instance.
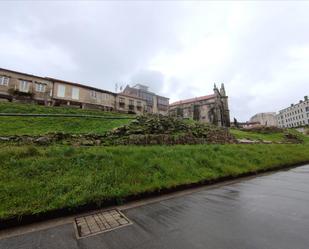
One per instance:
(187, 101)
(79, 85)
(26, 74)
(58, 80)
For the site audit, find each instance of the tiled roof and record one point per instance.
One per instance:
(58, 80)
(80, 85)
(187, 101)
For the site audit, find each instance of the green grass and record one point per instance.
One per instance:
(7, 107)
(39, 179)
(276, 137)
(273, 137)
(43, 125)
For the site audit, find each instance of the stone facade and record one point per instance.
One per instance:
(17, 86)
(73, 94)
(22, 87)
(209, 109)
(130, 104)
(265, 119)
(296, 115)
(154, 103)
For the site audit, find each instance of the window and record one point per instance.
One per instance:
(162, 101)
(4, 81)
(61, 91)
(307, 109)
(39, 87)
(23, 86)
(131, 104)
(139, 105)
(75, 93)
(93, 94)
(121, 102)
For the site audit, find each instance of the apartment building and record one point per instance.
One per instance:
(154, 102)
(130, 104)
(17, 86)
(296, 115)
(74, 94)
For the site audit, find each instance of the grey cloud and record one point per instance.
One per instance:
(151, 78)
(106, 41)
(103, 43)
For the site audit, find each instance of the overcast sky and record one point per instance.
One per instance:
(259, 50)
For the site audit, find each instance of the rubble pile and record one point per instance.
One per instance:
(144, 130)
(158, 129)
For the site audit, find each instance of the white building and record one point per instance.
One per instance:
(294, 116)
(265, 119)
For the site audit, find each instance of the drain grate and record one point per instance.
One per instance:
(100, 222)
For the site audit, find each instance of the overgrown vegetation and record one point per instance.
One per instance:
(39, 179)
(144, 130)
(158, 129)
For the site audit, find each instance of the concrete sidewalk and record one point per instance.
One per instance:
(269, 211)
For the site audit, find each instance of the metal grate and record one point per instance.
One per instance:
(100, 222)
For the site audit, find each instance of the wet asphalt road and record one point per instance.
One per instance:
(267, 212)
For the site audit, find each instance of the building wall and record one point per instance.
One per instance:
(295, 115)
(77, 95)
(129, 104)
(266, 118)
(85, 95)
(14, 84)
(154, 103)
(207, 109)
(187, 110)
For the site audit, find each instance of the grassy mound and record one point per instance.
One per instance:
(8, 107)
(144, 130)
(35, 180)
(271, 134)
(35, 126)
(158, 129)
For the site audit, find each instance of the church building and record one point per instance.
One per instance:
(209, 109)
